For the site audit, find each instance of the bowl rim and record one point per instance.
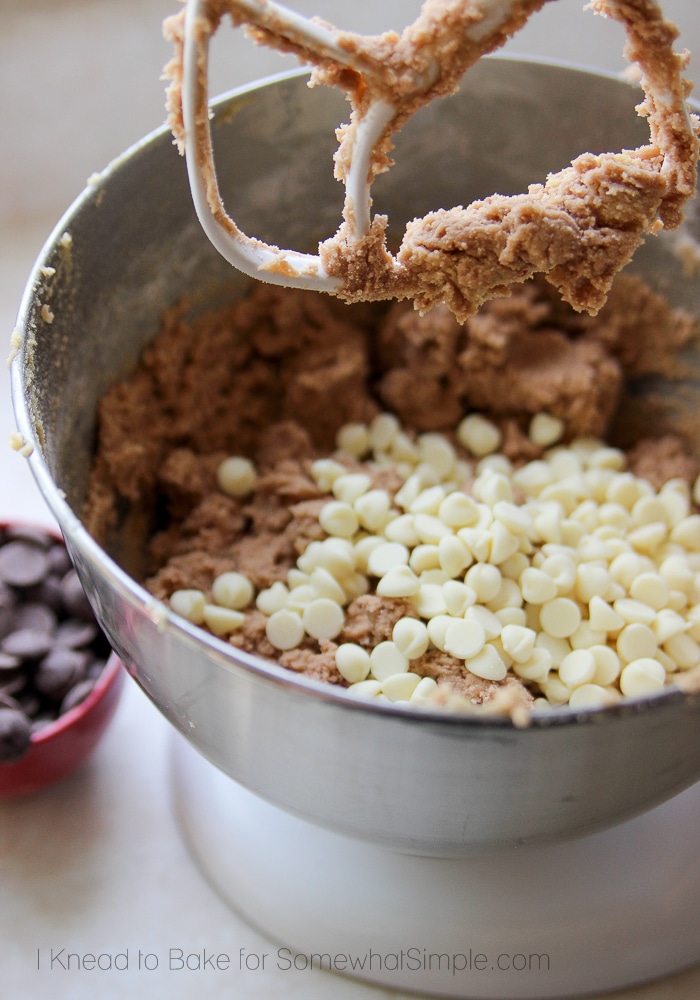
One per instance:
(76, 535)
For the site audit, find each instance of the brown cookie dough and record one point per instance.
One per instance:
(274, 376)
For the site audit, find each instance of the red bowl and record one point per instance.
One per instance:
(61, 747)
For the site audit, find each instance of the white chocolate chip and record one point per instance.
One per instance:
(424, 557)
(353, 439)
(651, 589)
(400, 687)
(634, 611)
(687, 533)
(557, 648)
(453, 555)
(536, 668)
(487, 664)
(518, 642)
(324, 584)
(338, 518)
(458, 597)
(642, 677)
(402, 529)
(189, 603)
(372, 509)
(560, 617)
(508, 596)
(350, 486)
(586, 636)
(424, 691)
(478, 435)
(232, 590)
(410, 636)
(545, 429)
(684, 650)
(436, 450)
(221, 620)
(387, 556)
(562, 570)
(478, 541)
(437, 630)
(458, 510)
(352, 662)
(325, 472)
(284, 629)
(537, 587)
(504, 543)
(485, 581)
(464, 638)
(591, 696)
(430, 600)
(362, 549)
(591, 581)
(636, 642)
(323, 618)
(386, 659)
(272, 599)
(667, 624)
(428, 501)
(382, 431)
(398, 581)
(607, 665)
(487, 619)
(430, 528)
(237, 476)
(365, 689)
(577, 668)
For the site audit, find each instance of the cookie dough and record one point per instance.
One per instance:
(273, 378)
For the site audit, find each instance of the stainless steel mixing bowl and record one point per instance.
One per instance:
(418, 782)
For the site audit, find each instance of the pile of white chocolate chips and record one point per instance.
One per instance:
(569, 571)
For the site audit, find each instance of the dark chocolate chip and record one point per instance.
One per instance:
(74, 599)
(41, 721)
(25, 533)
(9, 662)
(49, 592)
(39, 617)
(7, 596)
(59, 671)
(27, 643)
(23, 564)
(8, 603)
(59, 560)
(30, 702)
(15, 734)
(76, 695)
(51, 648)
(95, 669)
(7, 701)
(75, 633)
(13, 681)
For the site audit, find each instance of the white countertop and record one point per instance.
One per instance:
(96, 864)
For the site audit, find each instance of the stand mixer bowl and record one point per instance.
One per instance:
(420, 782)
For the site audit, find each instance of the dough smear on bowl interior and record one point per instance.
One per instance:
(414, 508)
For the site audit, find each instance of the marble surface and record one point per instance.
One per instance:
(96, 864)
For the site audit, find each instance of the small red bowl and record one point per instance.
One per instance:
(61, 747)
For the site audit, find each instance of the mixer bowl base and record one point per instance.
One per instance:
(584, 916)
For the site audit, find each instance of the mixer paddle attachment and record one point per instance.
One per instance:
(578, 228)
